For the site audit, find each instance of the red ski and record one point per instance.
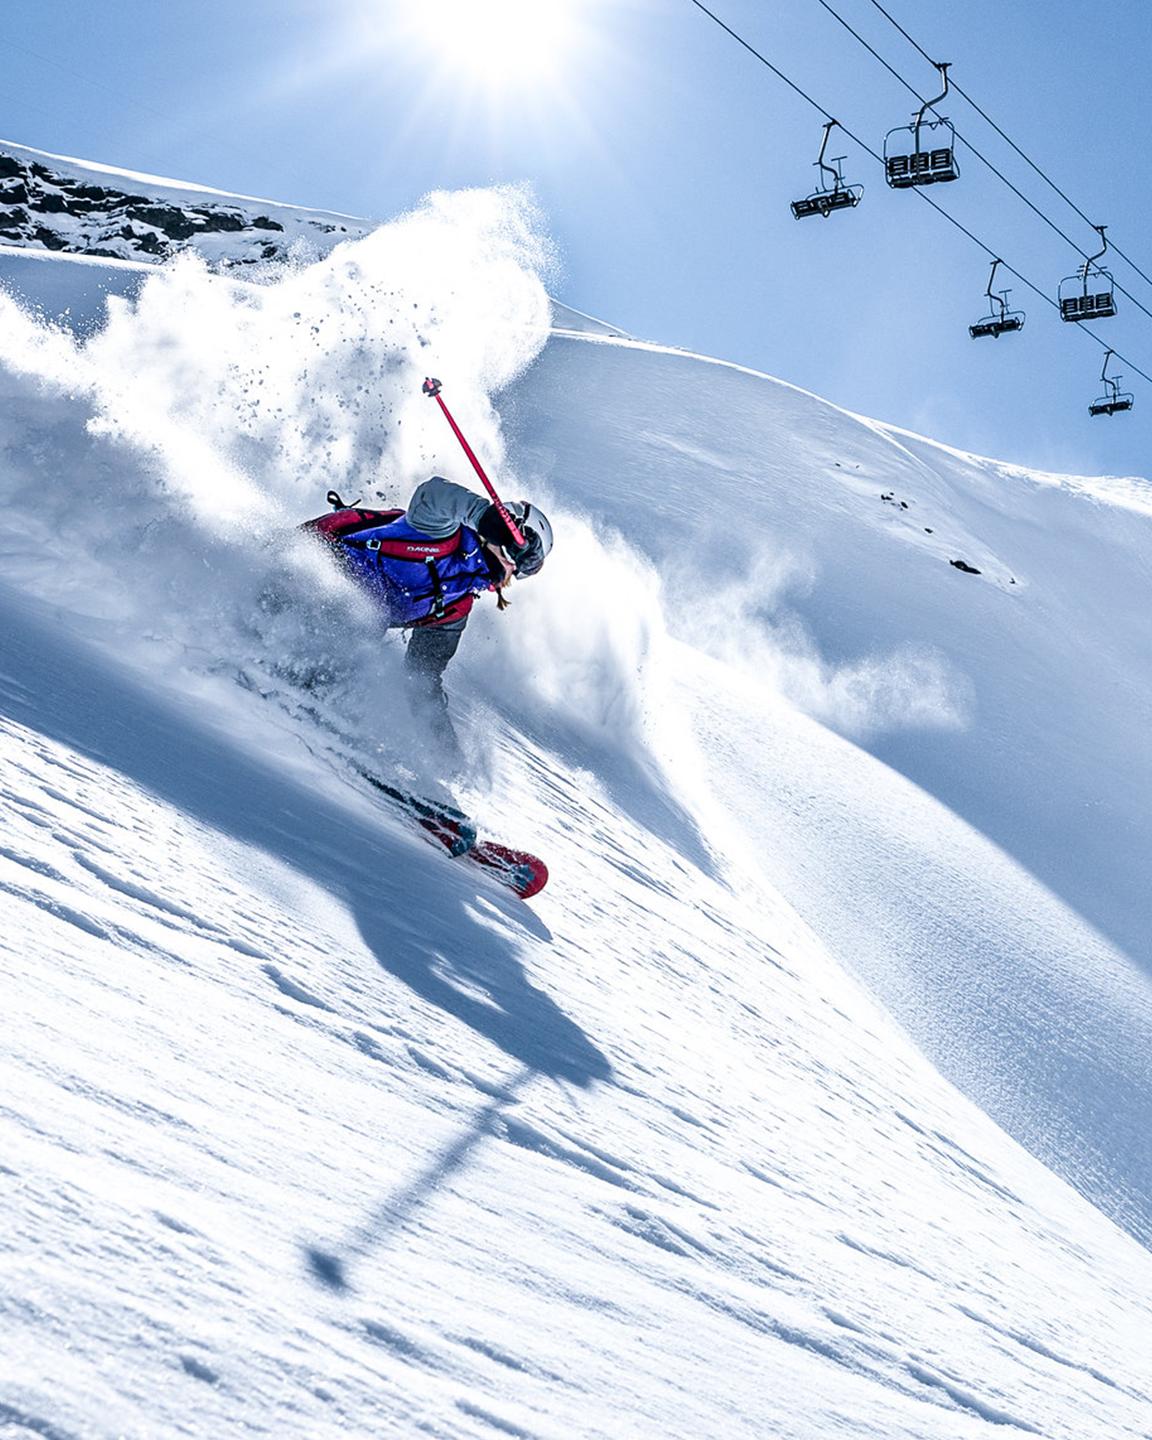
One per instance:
(524, 873)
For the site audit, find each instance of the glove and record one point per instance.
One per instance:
(527, 558)
(493, 529)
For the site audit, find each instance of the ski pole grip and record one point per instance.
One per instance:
(432, 389)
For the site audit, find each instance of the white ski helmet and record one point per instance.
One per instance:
(537, 532)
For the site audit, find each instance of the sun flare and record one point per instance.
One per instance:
(520, 44)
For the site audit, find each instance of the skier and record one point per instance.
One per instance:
(426, 565)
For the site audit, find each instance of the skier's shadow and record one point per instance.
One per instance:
(443, 930)
(330, 1264)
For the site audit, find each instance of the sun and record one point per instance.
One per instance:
(502, 44)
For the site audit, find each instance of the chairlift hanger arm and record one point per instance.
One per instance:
(831, 168)
(1090, 260)
(1114, 381)
(943, 66)
(829, 126)
(1002, 298)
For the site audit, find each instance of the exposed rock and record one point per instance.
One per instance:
(174, 223)
(99, 195)
(48, 202)
(79, 205)
(98, 219)
(963, 565)
(223, 221)
(49, 238)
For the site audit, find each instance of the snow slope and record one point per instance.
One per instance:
(810, 1099)
(999, 902)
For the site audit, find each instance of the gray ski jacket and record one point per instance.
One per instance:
(438, 506)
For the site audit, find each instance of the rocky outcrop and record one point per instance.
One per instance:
(46, 206)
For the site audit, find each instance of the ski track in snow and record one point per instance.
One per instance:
(262, 1159)
(308, 1131)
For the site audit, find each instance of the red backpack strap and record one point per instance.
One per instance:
(416, 548)
(339, 523)
(458, 610)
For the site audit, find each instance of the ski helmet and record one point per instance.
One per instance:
(538, 535)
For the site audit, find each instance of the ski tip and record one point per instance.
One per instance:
(535, 880)
(526, 874)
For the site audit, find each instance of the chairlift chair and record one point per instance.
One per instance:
(826, 198)
(1112, 402)
(1088, 295)
(1000, 320)
(922, 165)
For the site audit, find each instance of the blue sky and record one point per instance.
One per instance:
(664, 157)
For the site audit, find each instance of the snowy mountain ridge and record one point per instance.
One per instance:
(58, 203)
(1134, 492)
(810, 1099)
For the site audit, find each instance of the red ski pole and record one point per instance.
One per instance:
(432, 389)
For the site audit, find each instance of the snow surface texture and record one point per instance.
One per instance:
(811, 1097)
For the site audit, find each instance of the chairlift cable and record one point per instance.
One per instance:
(876, 54)
(85, 78)
(1042, 294)
(979, 154)
(952, 220)
(765, 61)
(1008, 139)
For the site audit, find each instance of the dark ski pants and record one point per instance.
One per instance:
(430, 647)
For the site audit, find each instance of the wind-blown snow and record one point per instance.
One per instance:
(811, 1096)
(207, 418)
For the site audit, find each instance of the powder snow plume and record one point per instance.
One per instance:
(190, 435)
(171, 455)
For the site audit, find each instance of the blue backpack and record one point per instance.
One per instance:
(417, 580)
